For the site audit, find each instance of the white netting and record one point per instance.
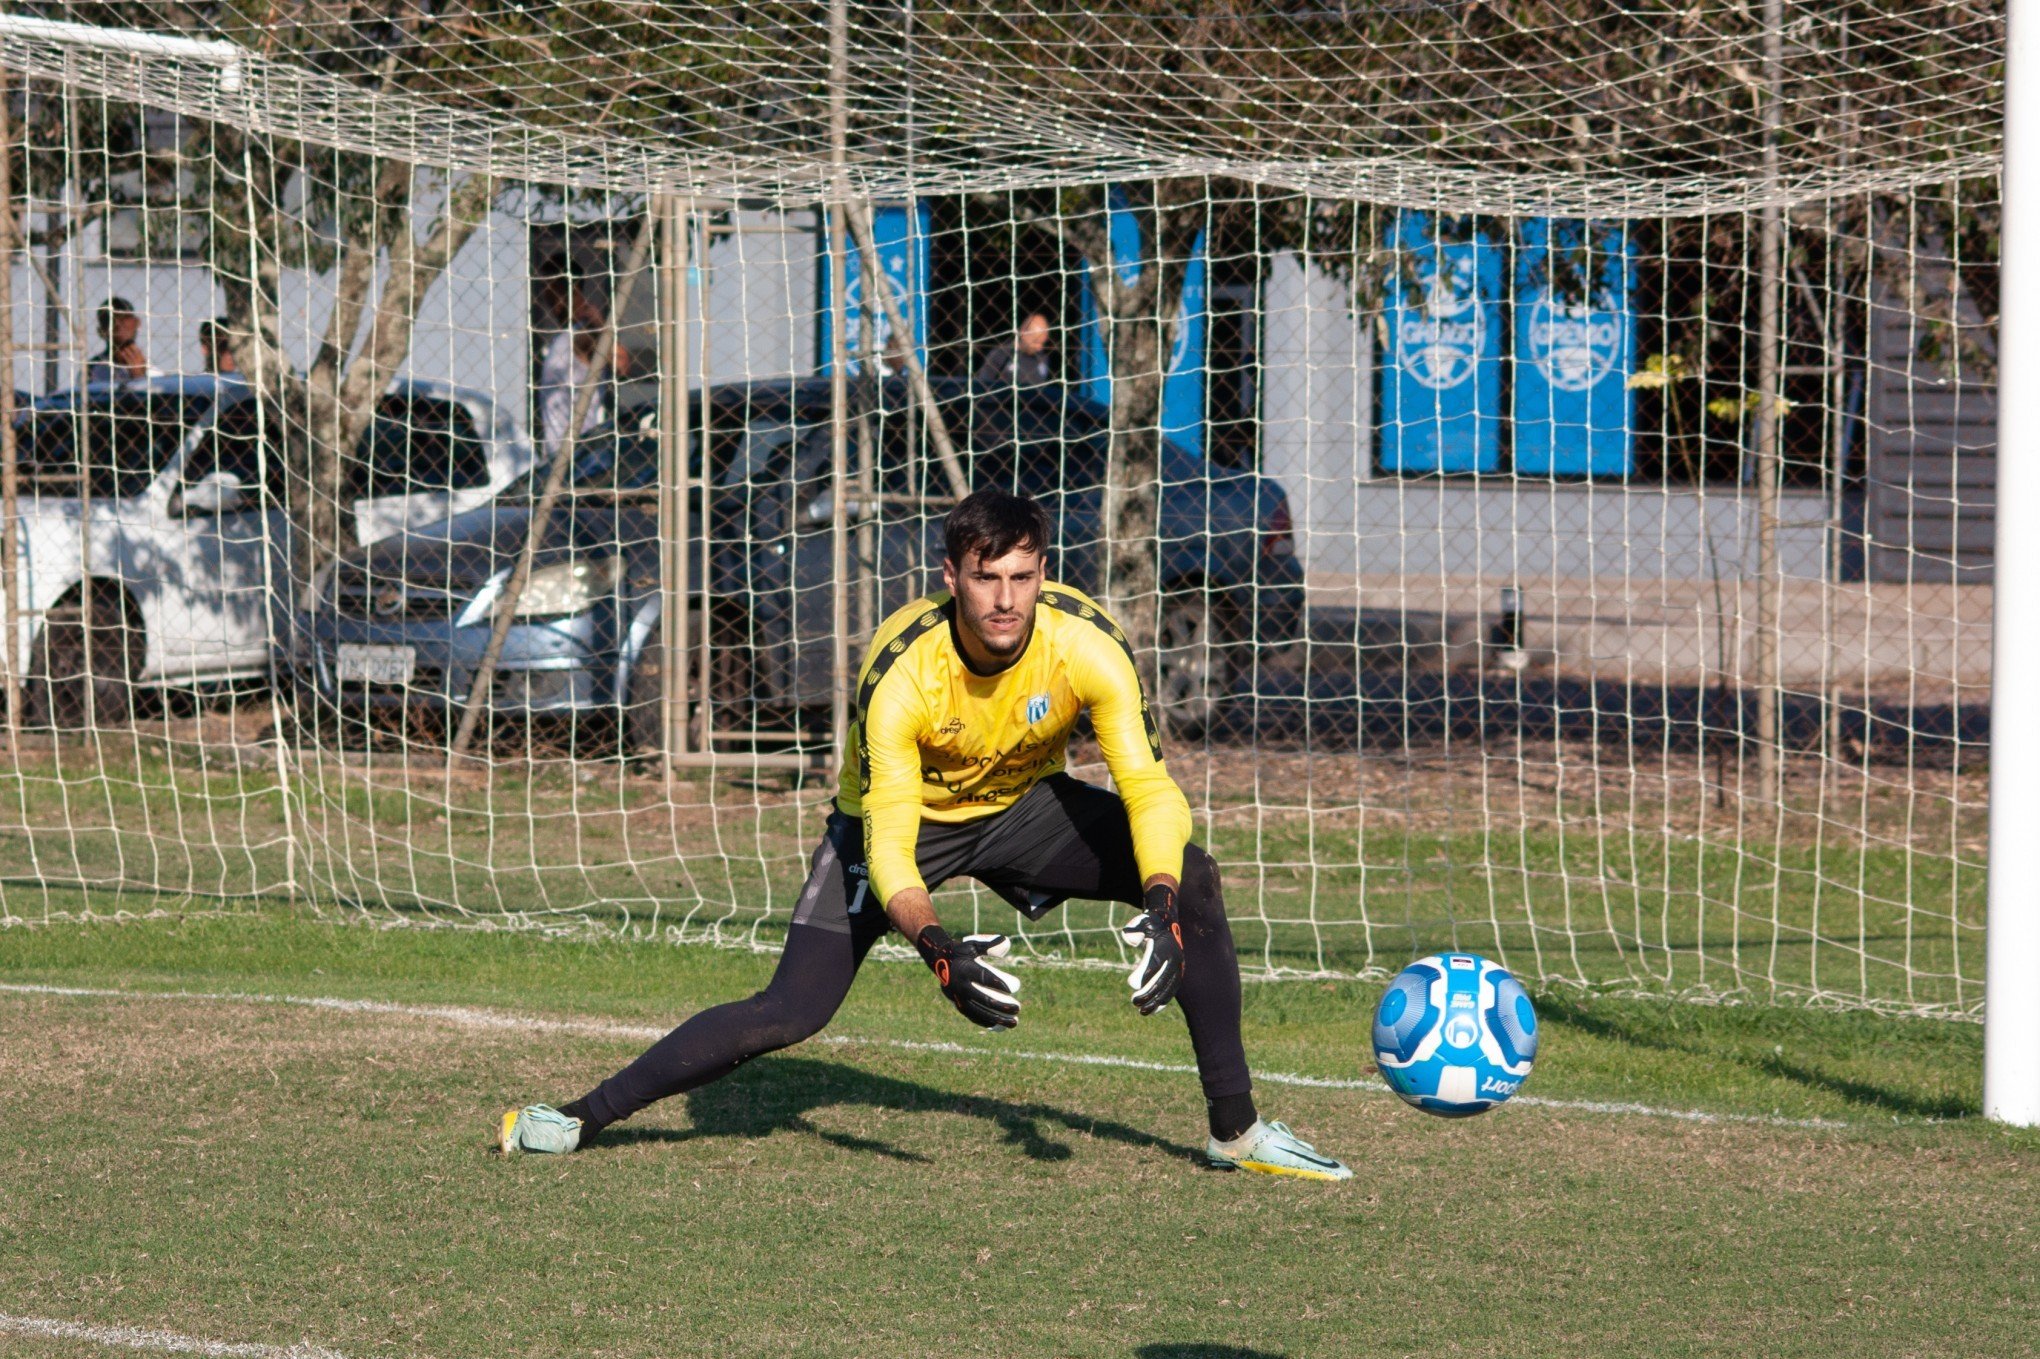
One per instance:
(1542, 453)
(1551, 108)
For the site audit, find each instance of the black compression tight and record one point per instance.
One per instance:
(818, 965)
(814, 974)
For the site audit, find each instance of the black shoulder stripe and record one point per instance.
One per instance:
(934, 616)
(1099, 619)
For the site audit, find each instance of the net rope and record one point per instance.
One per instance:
(1554, 109)
(1517, 576)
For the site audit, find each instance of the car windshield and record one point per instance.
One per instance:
(124, 439)
(419, 444)
(752, 453)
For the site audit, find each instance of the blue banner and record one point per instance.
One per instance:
(1441, 399)
(1183, 379)
(1575, 350)
(901, 238)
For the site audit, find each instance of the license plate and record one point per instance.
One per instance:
(376, 664)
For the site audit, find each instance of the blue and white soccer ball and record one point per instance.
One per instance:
(1455, 1034)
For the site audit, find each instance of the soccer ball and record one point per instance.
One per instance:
(1455, 1034)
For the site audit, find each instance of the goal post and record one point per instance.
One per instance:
(2011, 1049)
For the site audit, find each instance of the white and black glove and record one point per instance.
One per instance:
(980, 992)
(1159, 969)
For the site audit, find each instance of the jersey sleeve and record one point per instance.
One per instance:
(1102, 673)
(890, 775)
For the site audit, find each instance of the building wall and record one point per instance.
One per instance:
(1317, 407)
(472, 326)
(1503, 529)
(762, 275)
(1317, 439)
(1930, 439)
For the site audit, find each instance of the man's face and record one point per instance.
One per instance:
(995, 599)
(126, 325)
(1034, 334)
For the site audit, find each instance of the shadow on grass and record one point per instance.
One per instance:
(777, 1094)
(1575, 1013)
(1197, 1351)
(1863, 1092)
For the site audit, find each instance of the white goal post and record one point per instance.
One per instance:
(2011, 1034)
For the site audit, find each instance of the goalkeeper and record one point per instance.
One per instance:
(954, 768)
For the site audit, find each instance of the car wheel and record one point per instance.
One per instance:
(81, 670)
(1194, 664)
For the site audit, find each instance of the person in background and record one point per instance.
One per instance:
(1025, 362)
(120, 359)
(217, 354)
(568, 361)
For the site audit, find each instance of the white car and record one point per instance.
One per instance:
(168, 563)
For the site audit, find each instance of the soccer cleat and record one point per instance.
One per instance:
(538, 1128)
(1272, 1149)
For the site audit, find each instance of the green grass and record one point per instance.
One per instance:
(257, 1172)
(1871, 899)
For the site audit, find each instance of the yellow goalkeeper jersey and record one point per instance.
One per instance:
(930, 738)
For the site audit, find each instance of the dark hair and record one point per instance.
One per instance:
(992, 523)
(112, 307)
(209, 332)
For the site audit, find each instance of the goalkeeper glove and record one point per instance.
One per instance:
(980, 992)
(1160, 939)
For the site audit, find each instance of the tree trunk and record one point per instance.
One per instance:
(1138, 317)
(326, 410)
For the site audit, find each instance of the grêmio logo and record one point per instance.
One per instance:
(1573, 347)
(1440, 340)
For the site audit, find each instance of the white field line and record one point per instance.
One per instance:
(163, 1342)
(475, 1018)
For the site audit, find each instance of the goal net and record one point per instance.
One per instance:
(1540, 455)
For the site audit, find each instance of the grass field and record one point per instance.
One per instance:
(258, 1172)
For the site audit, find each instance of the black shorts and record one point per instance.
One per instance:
(1064, 838)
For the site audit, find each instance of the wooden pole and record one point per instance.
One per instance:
(839, 376)
(10, 466)
(878, 283)
(1770, 403)
(481, 686)
(675, 218)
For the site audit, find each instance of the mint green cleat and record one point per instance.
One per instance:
(1272, 1149)
(538, 1128)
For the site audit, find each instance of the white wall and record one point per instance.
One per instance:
(1317, 407)
(1501, 528)
(761, 312)
(472, 328)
